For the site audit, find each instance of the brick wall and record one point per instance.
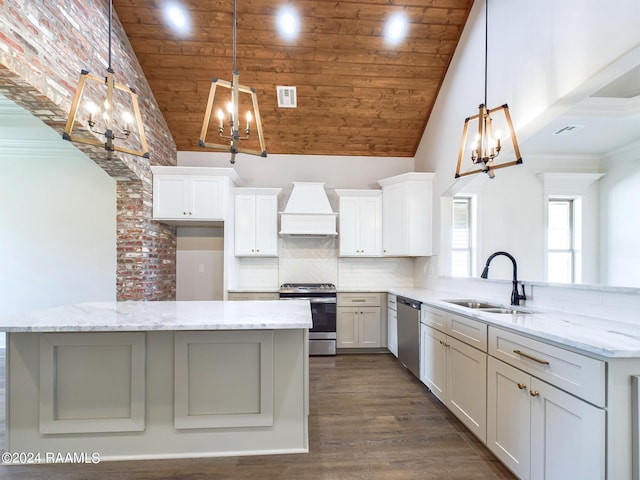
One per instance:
(43, 46)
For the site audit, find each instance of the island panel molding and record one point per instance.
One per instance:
(92, 383)
(223, 379)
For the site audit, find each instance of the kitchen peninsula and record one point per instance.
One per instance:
(132, 380)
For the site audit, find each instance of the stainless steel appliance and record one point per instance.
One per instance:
(409, 334)
(322, 297)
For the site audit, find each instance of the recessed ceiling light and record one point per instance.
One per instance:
(176, 17)
(396, 28)
(288, 22)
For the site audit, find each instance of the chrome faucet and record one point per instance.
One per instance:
(515, 296)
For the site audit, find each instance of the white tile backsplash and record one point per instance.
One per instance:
(258, 274)
(308, 260)
(315, 260)
(374, 273)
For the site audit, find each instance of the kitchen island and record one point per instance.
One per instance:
(127, 380)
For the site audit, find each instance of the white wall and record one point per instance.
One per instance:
(281, 170)
(544, 56)
(200, 263)
(620, 228)
(57, 219)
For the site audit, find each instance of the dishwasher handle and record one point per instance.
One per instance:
(408, 302)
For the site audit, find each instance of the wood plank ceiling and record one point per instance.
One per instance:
(356, 94)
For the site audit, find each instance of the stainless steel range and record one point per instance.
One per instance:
(322, 296)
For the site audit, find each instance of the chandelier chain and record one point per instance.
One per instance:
(486, 46)
(234, 36)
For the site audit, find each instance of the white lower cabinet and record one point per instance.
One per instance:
(540, 431)
(358, 327)
(392, 325)
(359, 321)
(455, 373)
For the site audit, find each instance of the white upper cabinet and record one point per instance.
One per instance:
(256, 222)
(407, 214)
(360, 223)
(191, 194)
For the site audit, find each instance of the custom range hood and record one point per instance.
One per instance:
(308, 212)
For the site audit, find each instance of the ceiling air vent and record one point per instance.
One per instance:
(568, 129)
(287, 97)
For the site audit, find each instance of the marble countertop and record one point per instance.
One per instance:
(150, 315)
(599, 337)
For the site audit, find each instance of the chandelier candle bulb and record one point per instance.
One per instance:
(248, 116)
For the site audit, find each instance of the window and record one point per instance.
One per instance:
(462, 237)
(563, 240)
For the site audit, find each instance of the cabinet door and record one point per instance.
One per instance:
(369, 327)
(245, 225)
(467, 386)
(347, 327)
(206, 198)
(567, 435)
(395, 220)
(171, 196)
(349, 228)
(266, 225)
(370, 226)
(508, 416)
(433, 361)
(392, 331)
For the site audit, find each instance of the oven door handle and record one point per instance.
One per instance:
(312, 299)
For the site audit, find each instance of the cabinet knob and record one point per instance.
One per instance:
(534, 393)
(522, 386)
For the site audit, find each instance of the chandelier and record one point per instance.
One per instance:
(488, 140)
(229, 122)
(113, 121)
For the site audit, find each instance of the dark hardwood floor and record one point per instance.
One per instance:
(369, 419)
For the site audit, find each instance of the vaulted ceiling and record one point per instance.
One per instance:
(356, 94)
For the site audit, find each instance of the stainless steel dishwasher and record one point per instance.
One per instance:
(409, 334)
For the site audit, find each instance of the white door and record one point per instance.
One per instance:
(433, 361)
(394, 211)
(266, 225)
(392, 331)
(171, 196)
(370, 226)
(467, 386)
(245, 225)
(508, 416)
(369, 327)
(567, 436)
(347, 327)
(349, 229)
(206, 198)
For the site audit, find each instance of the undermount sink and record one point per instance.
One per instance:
(489, 307)
(476, 304)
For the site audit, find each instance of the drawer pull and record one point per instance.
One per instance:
(358, 300)
(522, 386)
(534, 393)
(530, 357)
